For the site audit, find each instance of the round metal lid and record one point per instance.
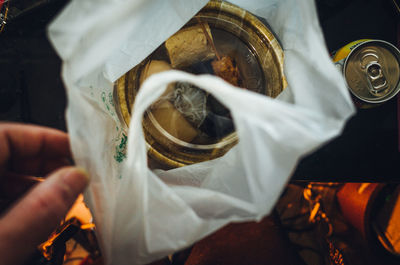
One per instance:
(372, 71)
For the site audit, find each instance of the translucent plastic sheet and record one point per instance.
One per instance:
(142, 214)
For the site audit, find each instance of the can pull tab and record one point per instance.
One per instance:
(373, 69)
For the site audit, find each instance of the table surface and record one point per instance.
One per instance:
(31, 89)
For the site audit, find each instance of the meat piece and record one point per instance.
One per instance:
(227, 70)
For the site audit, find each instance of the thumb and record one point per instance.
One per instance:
(36, 215)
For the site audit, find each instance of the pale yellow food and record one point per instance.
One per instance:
(171, 120)
(165, 113)
(154, 67)
(189, 46)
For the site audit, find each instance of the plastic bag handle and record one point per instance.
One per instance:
(155, 86)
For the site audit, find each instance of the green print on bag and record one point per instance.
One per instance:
(108, 102)
(120, 149)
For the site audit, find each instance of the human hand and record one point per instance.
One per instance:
(27, 150)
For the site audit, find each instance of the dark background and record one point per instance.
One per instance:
(368, 149)
(31, 90)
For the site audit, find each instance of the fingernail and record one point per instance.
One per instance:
(84, 173)
(76, 178)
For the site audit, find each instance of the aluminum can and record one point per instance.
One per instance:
(371, 69)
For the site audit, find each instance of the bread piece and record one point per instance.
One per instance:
(189, 46)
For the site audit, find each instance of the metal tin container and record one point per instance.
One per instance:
(371, 69)
(176, 138)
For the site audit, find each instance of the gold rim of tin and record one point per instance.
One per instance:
(267, 43)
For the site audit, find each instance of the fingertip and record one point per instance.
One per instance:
(76, 179)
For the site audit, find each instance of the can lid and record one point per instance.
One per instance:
(372, 71)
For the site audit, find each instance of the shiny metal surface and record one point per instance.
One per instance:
(372, 71)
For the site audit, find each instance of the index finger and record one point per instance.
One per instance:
(31, 149)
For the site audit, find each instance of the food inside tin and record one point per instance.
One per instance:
(185, 114)
(187, 125)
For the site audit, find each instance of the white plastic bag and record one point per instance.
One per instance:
(142, 215)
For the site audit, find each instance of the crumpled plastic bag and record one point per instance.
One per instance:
(143, 215)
